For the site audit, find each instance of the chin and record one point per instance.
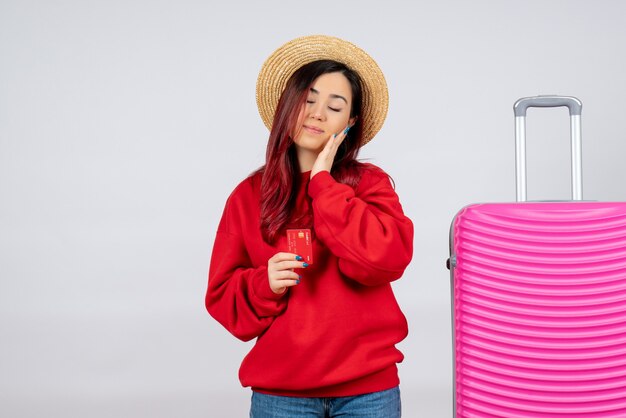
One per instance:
(310, 144)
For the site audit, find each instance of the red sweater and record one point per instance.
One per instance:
(334, 334)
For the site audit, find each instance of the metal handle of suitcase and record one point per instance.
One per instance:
(575, 107)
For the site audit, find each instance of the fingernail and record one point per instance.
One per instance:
(305, 264)
(345, 132)
(298, 281)
(298, 258)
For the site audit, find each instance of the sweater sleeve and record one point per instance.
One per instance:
(368, 231)
(238, 294)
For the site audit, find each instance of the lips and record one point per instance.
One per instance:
(313, 129)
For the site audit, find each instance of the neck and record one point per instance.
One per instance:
(306, 159)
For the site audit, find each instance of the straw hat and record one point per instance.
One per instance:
(294, 54)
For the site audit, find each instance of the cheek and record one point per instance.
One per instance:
(340, 121)
(298, 125)
(301, 114)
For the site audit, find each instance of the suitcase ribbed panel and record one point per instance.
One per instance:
(540, 310)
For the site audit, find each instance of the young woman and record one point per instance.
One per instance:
(324, 316)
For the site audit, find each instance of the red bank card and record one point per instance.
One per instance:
(299, 241)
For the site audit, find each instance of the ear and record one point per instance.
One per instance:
(352, 121)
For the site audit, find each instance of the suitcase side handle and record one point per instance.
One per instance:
(575, 108)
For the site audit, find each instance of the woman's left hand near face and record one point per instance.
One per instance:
(325, 158)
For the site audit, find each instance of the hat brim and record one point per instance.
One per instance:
(281, 65)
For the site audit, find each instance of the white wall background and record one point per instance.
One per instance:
(124, 125)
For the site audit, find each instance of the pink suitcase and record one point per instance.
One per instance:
(539, 299)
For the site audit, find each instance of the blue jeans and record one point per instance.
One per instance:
(383, 404)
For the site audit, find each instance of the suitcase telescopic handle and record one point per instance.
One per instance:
(575, 107)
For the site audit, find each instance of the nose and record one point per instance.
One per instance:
(316, 111)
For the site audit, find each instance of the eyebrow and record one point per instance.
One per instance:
(333, 96)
